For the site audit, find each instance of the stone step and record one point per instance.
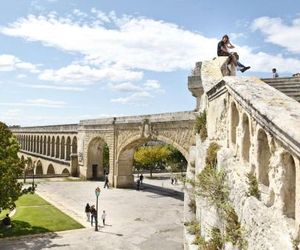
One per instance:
(290, 86)
(282, 79)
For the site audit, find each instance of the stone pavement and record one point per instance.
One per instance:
(148, 219)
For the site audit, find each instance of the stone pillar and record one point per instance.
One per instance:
(74, 165)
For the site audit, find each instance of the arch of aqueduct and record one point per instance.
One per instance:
(77, 149)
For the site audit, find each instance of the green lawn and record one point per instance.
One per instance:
(35, 215)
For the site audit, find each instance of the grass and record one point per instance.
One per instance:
(35, 215)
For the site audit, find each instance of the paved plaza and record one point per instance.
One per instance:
(148, 219)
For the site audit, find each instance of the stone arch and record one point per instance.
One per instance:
(95, 168)
(53, 147)
(74, 145)
(162, 138)
(289, 185)
(125, 157)
(263, 157)
(68, 148)
(39, 168)
(50, 170)
(57, 147)
(246, 143)
(66, 171)
(29, 164)
(62, 148)
(234, 122)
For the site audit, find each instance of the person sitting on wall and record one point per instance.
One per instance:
(223, 50)
(6, 221)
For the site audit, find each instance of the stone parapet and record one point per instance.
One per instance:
(163, 117)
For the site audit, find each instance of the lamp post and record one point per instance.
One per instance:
(97, 193)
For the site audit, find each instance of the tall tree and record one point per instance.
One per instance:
(11, 167)
(176, 160)
(151, 157)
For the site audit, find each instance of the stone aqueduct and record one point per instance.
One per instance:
(257, 126)
(77, 149)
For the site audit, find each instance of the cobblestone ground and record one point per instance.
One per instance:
(148, 219)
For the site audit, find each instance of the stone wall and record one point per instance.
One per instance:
(257, 128)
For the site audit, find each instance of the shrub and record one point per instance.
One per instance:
(193, 227)
(215, 242)
(233, 230)
(192, 205)
(211, 154)
(200, 126)
(211, 185)
(253, 189)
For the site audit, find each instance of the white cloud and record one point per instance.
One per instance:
(125, 87)
(20, 117)
(119, 49)
(276, 32)
(152, 84)
(101, 15)
(139, 97)
(79, 13)
(42, 86)
(21, 76)
(11, 62)
(44, 103)
(263, 62)
(134, 43)
(85, 74)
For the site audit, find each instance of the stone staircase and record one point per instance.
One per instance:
(287, 85)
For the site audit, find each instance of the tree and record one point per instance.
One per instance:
(106, 157)
(151, 157)
(11, 167)
(176, 160)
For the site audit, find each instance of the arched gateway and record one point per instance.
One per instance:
(79, 148)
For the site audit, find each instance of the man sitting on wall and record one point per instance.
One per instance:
(223, 50)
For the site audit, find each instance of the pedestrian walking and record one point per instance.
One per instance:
(141, 179)
(106, 181)
(138, 184)
(93, 215)
(103, 217)
(88, 211)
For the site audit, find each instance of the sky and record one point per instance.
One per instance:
(65, 61)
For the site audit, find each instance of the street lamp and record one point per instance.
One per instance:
(97, 193)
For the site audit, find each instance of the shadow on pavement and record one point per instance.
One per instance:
(32, 242)
(162, 191)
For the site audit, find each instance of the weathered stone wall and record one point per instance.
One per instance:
(257, 128)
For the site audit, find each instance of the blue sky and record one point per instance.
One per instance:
(64, 61)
